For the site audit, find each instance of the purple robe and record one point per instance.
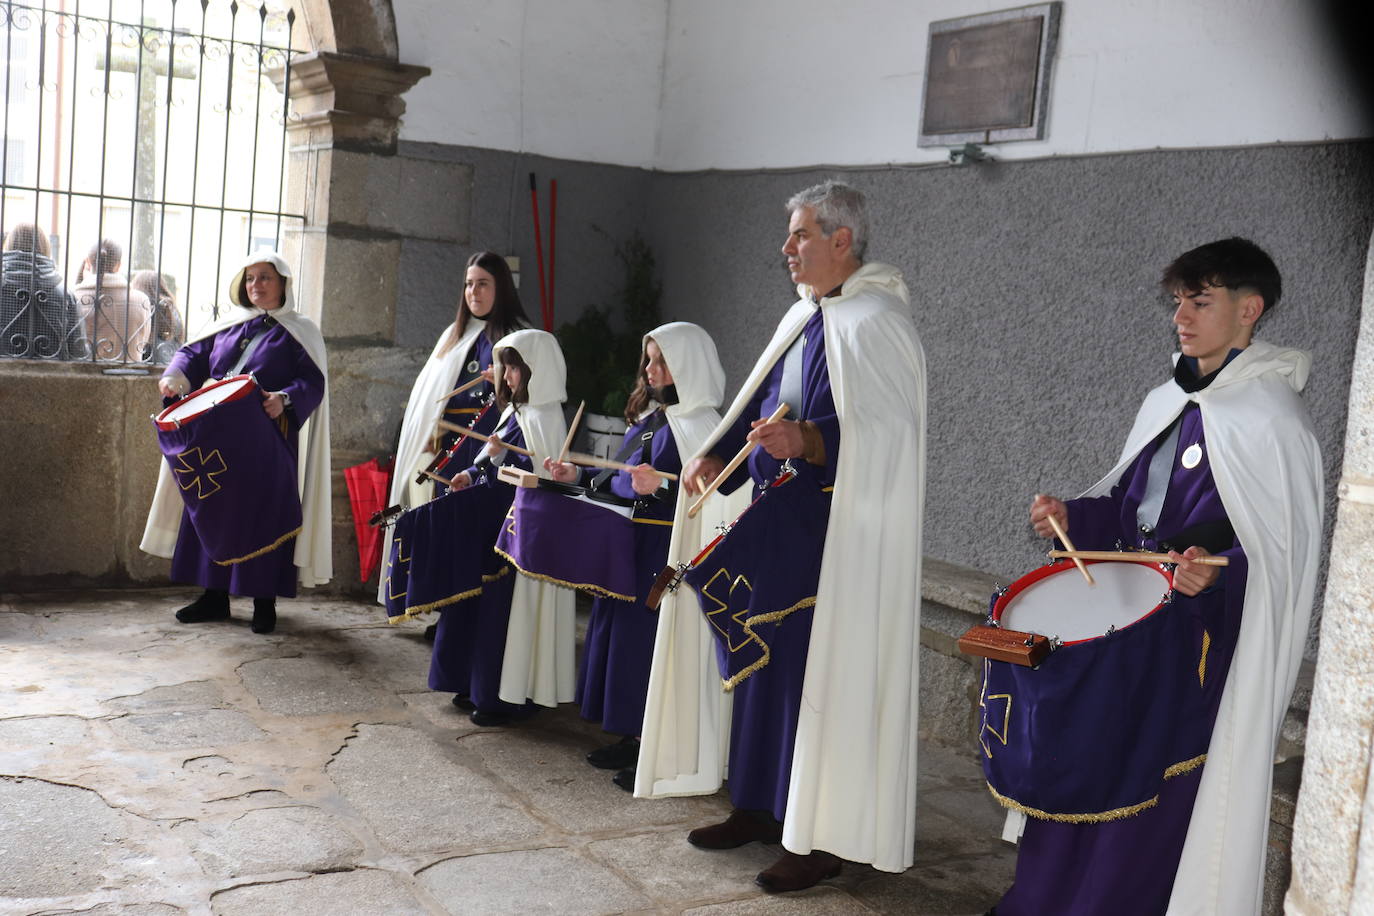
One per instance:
(1127, 866)
(279, 363)
(470, 640)
(766, 704)
(613, 680)
(464, 408)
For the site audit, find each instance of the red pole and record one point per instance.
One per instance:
(553, 236)
(539, 254)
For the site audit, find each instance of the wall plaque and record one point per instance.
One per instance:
(988, 76)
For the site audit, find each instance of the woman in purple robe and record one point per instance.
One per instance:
(284, 352)
(672, 409)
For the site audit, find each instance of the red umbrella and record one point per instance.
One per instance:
(368, 484)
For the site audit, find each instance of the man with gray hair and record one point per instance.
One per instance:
(812, 600)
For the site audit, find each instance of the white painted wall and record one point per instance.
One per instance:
(576, 79)
(692, 84)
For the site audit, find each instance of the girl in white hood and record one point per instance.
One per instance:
(673, 408)
(518, 643)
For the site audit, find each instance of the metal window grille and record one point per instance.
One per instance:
(153, 142)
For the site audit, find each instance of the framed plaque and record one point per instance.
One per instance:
(988, 76)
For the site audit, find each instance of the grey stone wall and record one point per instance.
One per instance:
(1034, 286)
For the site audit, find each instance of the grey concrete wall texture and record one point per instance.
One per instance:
(1035, 288)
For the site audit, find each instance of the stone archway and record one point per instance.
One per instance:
(364, 28)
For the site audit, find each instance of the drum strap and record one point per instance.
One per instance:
(638, 444)
(790, 386)
(1157, 481)
(250, 347)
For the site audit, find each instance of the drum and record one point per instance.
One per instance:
(235, 470)
(1090, 734)
(755, 575)
(438, 551)
(558, 534)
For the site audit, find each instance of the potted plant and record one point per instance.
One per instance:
(602, 347)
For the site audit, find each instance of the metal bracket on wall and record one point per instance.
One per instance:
(968, 153)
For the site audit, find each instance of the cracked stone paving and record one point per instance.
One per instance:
(151, 768)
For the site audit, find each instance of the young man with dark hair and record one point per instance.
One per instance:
(1222, 460)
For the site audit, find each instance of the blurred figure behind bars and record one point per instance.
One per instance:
(38, 316)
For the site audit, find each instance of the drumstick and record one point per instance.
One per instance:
(463, 387)
(1134, 556)
(734, 463)
(591, 461)
(483, 437)
(572, 431)
(433, 476)
(1064, 539)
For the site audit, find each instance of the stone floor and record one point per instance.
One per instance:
(148, 767)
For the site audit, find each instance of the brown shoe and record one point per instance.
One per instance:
(739, 828)
(796, 873)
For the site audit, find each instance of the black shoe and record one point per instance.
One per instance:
(739, 828)
(212, 605)
(488, 719)
(793, 872)
(625, 779)
(463, 701)
(264, 615)
(430, 631)
(618, 756)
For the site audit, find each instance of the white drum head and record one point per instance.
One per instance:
(1065, 606)
(204, 400)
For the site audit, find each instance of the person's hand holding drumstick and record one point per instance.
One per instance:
(699, 472)
(1044, 506)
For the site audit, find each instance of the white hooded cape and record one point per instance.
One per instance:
(699, 379)
(853, 783)
(539, 663)
(436, 379)
(314, 548)
(1267, 466)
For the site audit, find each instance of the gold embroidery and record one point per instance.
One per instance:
(748, 626)
(582, 586)
(204, 478)
(1006, 715)
(261, 550)
(390, 565)
(1202, 662)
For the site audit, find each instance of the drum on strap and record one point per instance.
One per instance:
(235, 471)
(556, 533)
(437, 551)
(765, 566)
(1090, 734)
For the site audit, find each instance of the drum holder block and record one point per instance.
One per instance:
(1000, 645)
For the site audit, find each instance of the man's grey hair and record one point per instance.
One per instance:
(836, 204)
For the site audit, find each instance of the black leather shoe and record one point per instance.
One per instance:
(264, 615)
(430, 631)
(213, 604)
(618, 756)
(463, 701)
(488, 719)
(625, 779)
(796, 873)
(739, 828)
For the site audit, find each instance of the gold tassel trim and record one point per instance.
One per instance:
(413, 612)
(728, 684)
(1100, 817)
(505, 571)
(580, 586)
(260, 551)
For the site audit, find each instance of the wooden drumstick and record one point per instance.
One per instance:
(734, 463)
(1064, 539)
(591, 461)
(1134, 556)
(482, 437)
(433, 476)
(463, 387)
(572, 431)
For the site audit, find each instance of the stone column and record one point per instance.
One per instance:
(1333, 831)
(346, 112)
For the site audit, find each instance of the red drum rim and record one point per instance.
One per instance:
(162, 422)
(1059, 566)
